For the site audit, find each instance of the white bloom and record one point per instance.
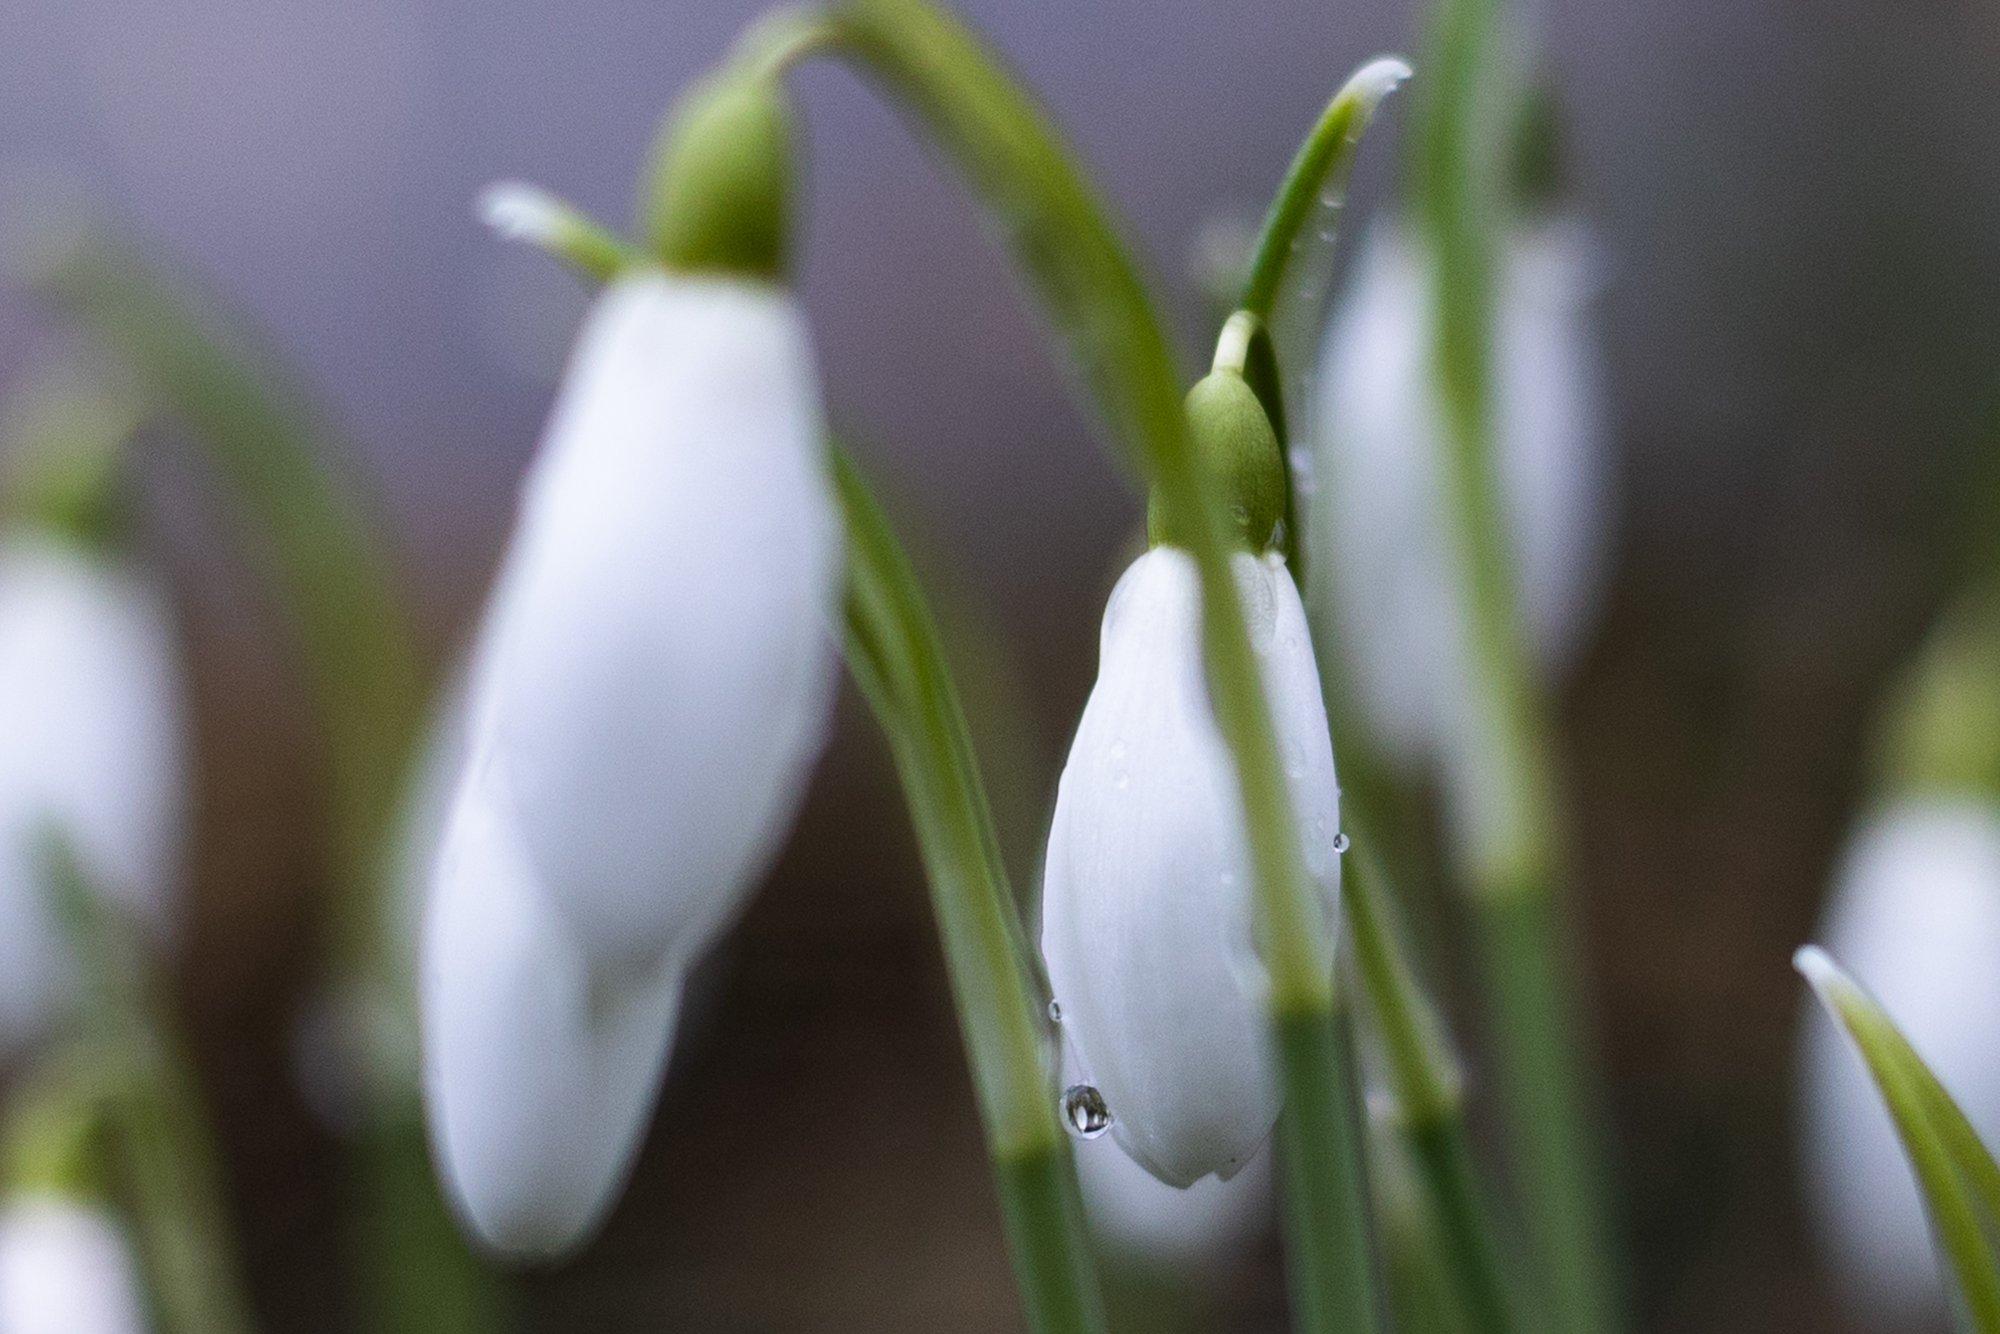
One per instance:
(65, 1268)
(1195, 1233)
(1914, 917)
(92, 747)
(540, 1065)
(656, 669)
(1380, 507)
(1146, 917)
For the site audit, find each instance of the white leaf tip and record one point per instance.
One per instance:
(1377, 79)
(520, 212)
(1817, 967)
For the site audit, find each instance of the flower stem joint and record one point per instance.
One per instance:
(1237, 446)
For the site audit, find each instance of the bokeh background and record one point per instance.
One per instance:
(1800, 208)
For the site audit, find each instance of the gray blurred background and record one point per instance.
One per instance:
(1801, 208)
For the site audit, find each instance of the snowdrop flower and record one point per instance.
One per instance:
(1147, 924)
(92, 748)
(657, 669)
(65, 1268)
(1915, 917)
(1383, 519)
(650, 687)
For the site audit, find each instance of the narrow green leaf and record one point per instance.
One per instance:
(894, 655)
(1954, 1170)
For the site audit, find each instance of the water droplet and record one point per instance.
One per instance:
(1340, 843)
(1084, 1111)
(1055, 1012)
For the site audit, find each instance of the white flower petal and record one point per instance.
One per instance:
(1915, 917)
(1146, 917)
(658, 665)
(540, 1068)
(1195, 1233)
(93, 745)
(1379, 502)
(65, 1268)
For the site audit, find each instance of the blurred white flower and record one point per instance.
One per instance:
(93, 748)
(657, 665)
(540, 1064)
(647, 695)
(1195, 1234)
(65, 1268)
(1914, 916)
(1379, 507)
(1147, 922)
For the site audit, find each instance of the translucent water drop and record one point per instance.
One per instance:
(1055, 1012)
(1084, 1111)
(1340, 843)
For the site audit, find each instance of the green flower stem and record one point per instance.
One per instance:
(1424, 1077)
(1960, 1183)
(1509, 847)
(1077, 266)
(162, 1151)
(362, 662)
(893, 653)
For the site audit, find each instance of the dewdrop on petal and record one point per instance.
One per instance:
(1381, 511)
(1147, 925)
(66, 1268)
(92, 750)
(540, 1066)
(1914, 917)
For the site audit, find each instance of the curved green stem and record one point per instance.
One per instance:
(1077, 266)
(894, 656)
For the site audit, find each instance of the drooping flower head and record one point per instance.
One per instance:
(93, 751)
(1397, 603)
(649, 690)
(1147, 922)
(66, 1268)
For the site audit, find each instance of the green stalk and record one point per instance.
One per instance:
(1508, 847)
(362, 664)
(1077, 266)
(162, 1147)
(893, 653)
(1424, 1077)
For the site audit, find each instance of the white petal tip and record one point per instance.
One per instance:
(1376, 80)
(521, 212)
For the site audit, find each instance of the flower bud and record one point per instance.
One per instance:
(657, 667)
(65, 1268)
(722, 179)
(1147, 918)
(540, 1066)
(1915, 917)
(1380, 511)
(92, 750)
